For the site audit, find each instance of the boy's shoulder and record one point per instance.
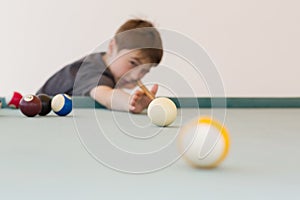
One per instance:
(96, 57)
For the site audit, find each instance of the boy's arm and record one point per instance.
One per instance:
(114, 99)
(117, 99)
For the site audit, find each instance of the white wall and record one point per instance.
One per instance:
(254, 43)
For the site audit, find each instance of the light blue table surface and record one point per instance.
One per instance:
(44, 158)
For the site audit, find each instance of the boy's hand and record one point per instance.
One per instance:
(139, 100)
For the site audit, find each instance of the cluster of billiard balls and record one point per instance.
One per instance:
(203, 142)
(42, 104)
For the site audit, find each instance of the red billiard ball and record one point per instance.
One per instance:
(46, 104)
(30, 105)
(14, 100)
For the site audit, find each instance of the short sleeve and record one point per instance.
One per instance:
(92, 73)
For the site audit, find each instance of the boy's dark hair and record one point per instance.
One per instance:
(140, 34)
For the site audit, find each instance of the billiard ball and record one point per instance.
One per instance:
(162, 111)
(14, 100)
(46, 104)
(30, 105)
(61, 104)
(204, 142)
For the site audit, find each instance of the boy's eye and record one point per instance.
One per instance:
(133, 63)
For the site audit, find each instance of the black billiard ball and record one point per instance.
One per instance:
(30, 105)
(46, 104)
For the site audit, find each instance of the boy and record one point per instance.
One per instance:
(134, 50)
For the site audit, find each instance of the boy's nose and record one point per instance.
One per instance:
(141, 75)
(138, 77)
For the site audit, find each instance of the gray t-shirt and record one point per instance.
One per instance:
(80, 77)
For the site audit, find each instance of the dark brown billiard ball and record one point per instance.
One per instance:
(46, 104)
(30, 105)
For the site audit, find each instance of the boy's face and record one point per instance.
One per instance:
(128, 67)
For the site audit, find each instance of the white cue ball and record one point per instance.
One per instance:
(204, 143)
(162, 111)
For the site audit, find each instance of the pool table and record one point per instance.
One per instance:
(54, 157)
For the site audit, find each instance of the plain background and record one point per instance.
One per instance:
(254, 43)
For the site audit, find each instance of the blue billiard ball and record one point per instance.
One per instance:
(61, 104)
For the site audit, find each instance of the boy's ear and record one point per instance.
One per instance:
(112, 47)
